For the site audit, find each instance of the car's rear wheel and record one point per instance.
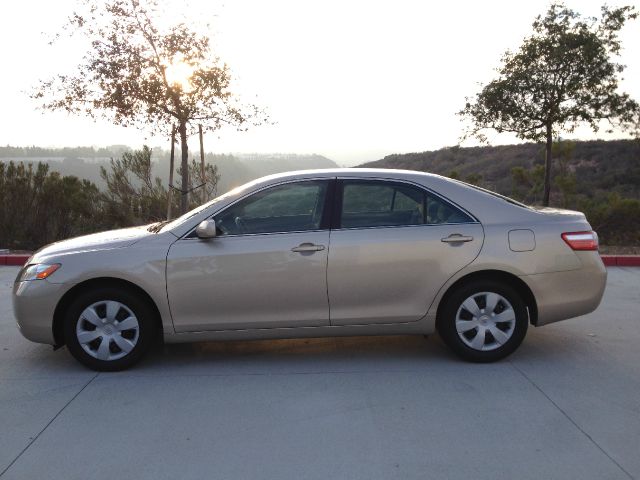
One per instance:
(483, 321)
(109, 329)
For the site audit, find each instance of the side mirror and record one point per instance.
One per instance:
(206, 229)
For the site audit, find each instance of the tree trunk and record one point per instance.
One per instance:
(547, 166)
(184, 197)
(202, 179)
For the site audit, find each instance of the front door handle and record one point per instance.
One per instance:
(456, 238)
(307, 247)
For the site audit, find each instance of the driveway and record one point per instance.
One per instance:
(566, 405)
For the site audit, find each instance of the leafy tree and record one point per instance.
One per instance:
(562, 76)
(134, 196)
(138, 74)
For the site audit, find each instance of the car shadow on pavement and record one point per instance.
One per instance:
(375, 353)
(317, 354)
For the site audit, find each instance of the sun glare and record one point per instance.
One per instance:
(179, 73)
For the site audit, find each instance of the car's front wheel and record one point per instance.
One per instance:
(483, 321)
(108, 329)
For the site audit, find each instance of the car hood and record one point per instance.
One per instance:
(96, 241)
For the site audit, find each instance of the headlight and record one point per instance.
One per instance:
(38, 271)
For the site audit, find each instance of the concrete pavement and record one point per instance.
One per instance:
(566, 405)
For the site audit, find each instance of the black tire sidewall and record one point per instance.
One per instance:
(141, 310)
(447, 321)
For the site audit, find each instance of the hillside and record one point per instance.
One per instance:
(599, 167)
(84, 163)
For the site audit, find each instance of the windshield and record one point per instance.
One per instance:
(168, 225)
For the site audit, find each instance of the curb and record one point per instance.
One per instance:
(13, 260)
(621, 260)
(608, 260)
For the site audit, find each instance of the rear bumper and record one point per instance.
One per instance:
(562, 295)
(34, 303)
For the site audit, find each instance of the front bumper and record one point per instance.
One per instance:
(34, 303)
(562, 295)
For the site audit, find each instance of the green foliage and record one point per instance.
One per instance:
(474, 179)
(65, 152)
(41, 207)
(562, 76)
(133, 196)
(616, 219)
(528, 183)
(598, 166)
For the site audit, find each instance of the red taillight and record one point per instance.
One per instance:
(581, 240)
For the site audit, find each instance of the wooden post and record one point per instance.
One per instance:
(202, 179)
(184, 168)
(171, 168)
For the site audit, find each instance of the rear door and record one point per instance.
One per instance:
(393, 246)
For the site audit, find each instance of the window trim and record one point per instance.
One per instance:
(339, 192)
(325, 221)
(333, 206)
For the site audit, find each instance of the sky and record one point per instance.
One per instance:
(351, 80)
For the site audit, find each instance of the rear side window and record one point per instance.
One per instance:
(440, 211)
(383, 204)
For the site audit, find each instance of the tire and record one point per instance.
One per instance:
(120, 318)
(483, 321)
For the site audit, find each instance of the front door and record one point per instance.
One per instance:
(266, 268)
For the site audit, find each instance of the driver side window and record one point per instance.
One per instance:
(293, 207)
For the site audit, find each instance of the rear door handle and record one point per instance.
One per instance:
(456, 238)
(307, 247)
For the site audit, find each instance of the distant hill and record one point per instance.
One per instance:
(600, 167)
(236, 169)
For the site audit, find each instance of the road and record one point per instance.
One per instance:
(566, 405)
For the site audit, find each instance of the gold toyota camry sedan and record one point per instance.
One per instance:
(317, 253)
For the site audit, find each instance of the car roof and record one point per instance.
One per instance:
(354, 171)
